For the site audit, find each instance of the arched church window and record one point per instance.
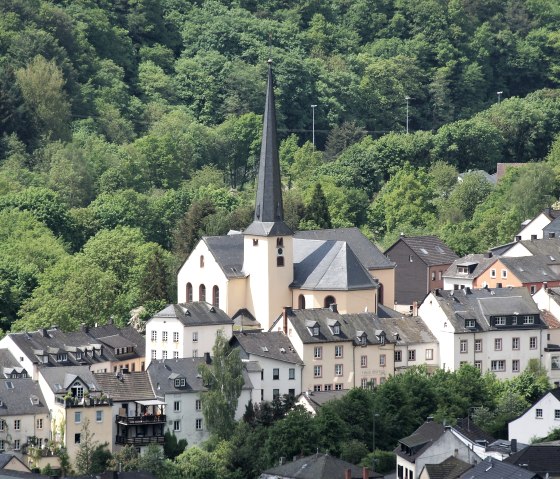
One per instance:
(301, 301)
(202, 293)
(329, 300)
(189, 293)
(216, 296)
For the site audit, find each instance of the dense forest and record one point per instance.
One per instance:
(129, 128)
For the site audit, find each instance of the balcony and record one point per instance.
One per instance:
(140, 420)
(140, 440)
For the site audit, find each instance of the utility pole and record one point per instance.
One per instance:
(499, 93)
(313, 114)
(407, 98)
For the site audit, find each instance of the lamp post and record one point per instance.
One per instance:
(499, 93)
(313, 115)
(373, 444)
(407, 98)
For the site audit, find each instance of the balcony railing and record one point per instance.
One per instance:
(148, 419)
(140, 440)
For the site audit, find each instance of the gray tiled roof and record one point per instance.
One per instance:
(430, 249)
(272, 345)
(133, 386)
(493, 469)
(420, 440)
(481, 304)
(369, 255)
(540, 458)
(11, 474)
(410, 330)
(478, 263)
(65, 375)
(317, 398)
(194, 314)
(23, 397)
(351, 325)
(228, 253)
(533, 269)
(451, 468)
(317, 466)
(470, 430)
(544, 246)
(328, 265)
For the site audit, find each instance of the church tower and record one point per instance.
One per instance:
(268, 241)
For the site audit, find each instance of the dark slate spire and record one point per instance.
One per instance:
(269, 211)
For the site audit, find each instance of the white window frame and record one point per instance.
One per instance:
(338, 351)
(153, 335)
(538, 413)
(533, 342)
(317, 352)
(175, 337)
(164, 336)
(515, 343)
(429, 354)
(198, 424)
(498, 365)
(498, 344)
(195, 337)
(338, 370)
(317, 371)
(99, 416)
(176, 406)
(176, 425)
(463, 346)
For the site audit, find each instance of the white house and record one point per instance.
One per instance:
(533, 229)
(539, 420)
(186, 330)
(498, 330)
(464, 271)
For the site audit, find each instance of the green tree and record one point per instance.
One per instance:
(86, 449)
(173, 447)
(223, 379)
(317, 210)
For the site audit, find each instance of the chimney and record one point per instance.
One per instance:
(415, 308)
(207, 358)
(517, 238)
(84, 328)
(334, 308)
(513, 446)
(348, 474)
(285, 311)
(429, 419)
(44, 332)
(365, 473)
(488, 254)
(455, 452)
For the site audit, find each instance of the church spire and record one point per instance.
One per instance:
(269, 211)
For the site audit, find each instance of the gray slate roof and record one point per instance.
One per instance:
(272, 345)
(481, 304)
(545, 246)
(539, 458)
(22, 397)
(410, 330)
(477, 262)
(351, 325)
(54, 340)
(328, 265)
(317, 466)
(493, 469)
(419, 441)
(533, 269)
(451, 468)
(228, 253)
(7, 359)
(430, 249)
(195, 314)
(317, 398)
(65, 375)
(133, 386)
(369, 255)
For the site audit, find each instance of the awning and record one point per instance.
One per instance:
(151, 402)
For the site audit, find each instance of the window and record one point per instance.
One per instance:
(504, 273)
(478, 345)
(338, 369)
(291, 392)
(275, 393)
(492, 273)
(364, 383)
(39, 424)
(336, 329)
(164, 355)
(433, 275)
(363, 361)
(412, 355)
(177, 425)
(382, 358)
(410, 258)
(538, 413)
(528, 319)
(198, 405)
(328, 387)
(498, 344)
(215, 296)
(195, 353)
(16, 444)
(2, 424)
(398, 356)
(164, 336)
(316, 331)
(338, 387)
(176, 406)
(440, 275)
(154, 354)
(463, 346)
(195, 336)
(301, 301)
(557, 414)
(198, 424)
(175, 337)
(2, 445)
(317, 387)
(77, 417)
(470, 323)
(189, 293)
(61, 357)
(515, 366)
(98, 416)
(533, 342)
(77, 438)
(429, 354)
(515, 343)
(280, 261)
(317, 371)
(255, 242)
(338, 351)
(276, 374)
(317, 352)
(500, 321)
(498, 365)
(292, 373)
(514, 320)
(533, 289)
(478, 365)
(202, 293)
(17, 424)
(329, 300)
(154, 335)
(202, 261)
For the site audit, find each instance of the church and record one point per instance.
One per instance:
(256, 273)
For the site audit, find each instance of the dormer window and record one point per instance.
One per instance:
(61, 357)
(500, 321)
(315, 330)
(463, 269)
(180, 382)
(470, 323)
(78, 355)
(530, 319)
(336, 329)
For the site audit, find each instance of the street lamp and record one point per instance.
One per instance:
(313, 110)
(499, 93)
(407, 98)
(373, 444)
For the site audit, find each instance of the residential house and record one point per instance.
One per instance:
(548, 300)
(379, 266)
(542, 459)
(312, 401)
(539, 420)
(340, 351)
(431, 443)
(493, 469)
(317, 466)
(12, 463)
(265, 268)
(533, 229)
(139, 416)
(451, 468)
(492, 179)
(24, 417)
(105, 348)
(464, 271)
(421, 262)
(280, 366)
(498, 330)
(76, 404)
(185, 330)
(537, 247)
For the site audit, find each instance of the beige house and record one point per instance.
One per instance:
(266, 268)
(340, 351)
